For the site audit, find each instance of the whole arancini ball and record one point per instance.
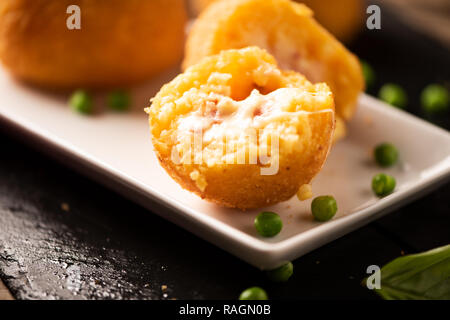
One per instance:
(119, 43)
(288, 31)
(343, 18)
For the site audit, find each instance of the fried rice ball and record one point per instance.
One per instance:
(120, 41)
(238, 131)
(287, 30)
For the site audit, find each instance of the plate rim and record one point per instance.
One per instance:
(265, 254)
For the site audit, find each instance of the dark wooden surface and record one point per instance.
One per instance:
(63, 236)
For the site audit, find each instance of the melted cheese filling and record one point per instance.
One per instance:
(230, 118)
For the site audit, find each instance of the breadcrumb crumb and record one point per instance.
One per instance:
(304, 192)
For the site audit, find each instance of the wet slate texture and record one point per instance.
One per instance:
(63, 236)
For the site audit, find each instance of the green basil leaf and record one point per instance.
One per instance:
(423, 276)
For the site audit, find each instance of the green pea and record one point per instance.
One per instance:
(268, 224)
(253, 293)
(118, 100)
(368, 73)
(435, 98)
(81, 101)
(394, 95)
(383, 184)
(324, 208)
(281, 274)
(386, 154)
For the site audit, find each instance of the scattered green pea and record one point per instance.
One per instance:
(394, 95)
(81, 101)
(281, 274)
(383, 184)
(435, 98)
(386, 154)
(368, 73)
(324, 208)
(253, 293)
(118, 100)
(268, 224)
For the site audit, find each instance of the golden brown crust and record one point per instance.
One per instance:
(244, 187)
(120, 42)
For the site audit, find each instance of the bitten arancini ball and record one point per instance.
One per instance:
(238, 131)
(288, 31)
(120, 41)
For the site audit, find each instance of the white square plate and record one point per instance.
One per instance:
(116, 150)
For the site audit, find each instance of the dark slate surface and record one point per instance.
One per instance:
(62, 236)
